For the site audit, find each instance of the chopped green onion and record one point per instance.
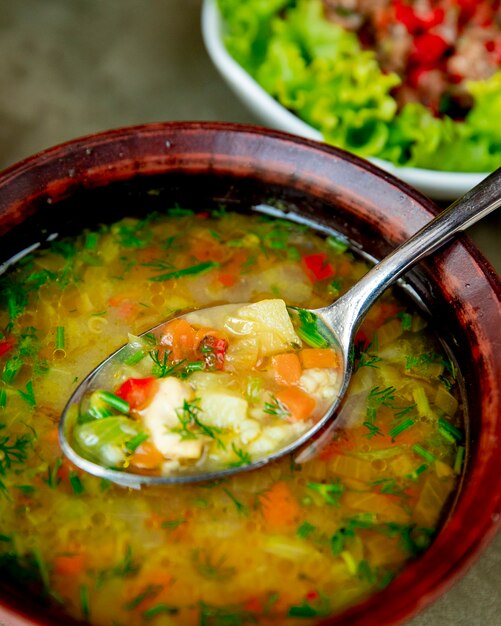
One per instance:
(330, 492)
(397, 430)
(11, 369)
(84, 602)
(305, 530)
(309, 328)
(3, 398)
(26, 489)
(406, 319)
(28, 395)
(135, 357)
(172, 524)
(42, 568)
(459, 460)
(60, 338)
(133, 444)
(179, 212)
(334, 287)
(53, 479)
(195, 366)
(91, 241)
(337, 244)
(153, 611)
(426, 454)
(76, 483)
(449, 431)
(113, 400)
(415, 474)
(200, 268)
(293, 254)
(241, 508)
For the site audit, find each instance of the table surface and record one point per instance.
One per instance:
(73, 67)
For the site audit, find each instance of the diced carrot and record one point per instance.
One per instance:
(126, 307)
(146, 457)
(137, 391)
(254, 605)
(319, 357)
(179, 337)
(228, 280)
(279, 506)
(299, 404)
(204, 249)
(286, 368)
(69, 564)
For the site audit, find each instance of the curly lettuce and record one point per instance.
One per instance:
(320, 72)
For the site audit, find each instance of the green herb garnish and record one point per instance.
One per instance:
(192, 270)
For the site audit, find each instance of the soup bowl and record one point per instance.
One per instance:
(106, 176)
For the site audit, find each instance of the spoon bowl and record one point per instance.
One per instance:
(336, 324)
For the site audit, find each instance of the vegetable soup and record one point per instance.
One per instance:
(284, 544)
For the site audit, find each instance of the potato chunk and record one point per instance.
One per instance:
(269, 322)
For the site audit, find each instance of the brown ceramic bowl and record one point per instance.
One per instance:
(103, 176)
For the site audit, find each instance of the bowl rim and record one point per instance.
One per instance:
(125, 152)
(440, 185)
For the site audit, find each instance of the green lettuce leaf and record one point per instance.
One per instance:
(319, 71)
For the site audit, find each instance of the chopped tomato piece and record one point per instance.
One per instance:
(137, 391)
(287, 368)
(299, 404)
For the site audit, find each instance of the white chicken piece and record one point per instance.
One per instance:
(320, 382)
(160, 416)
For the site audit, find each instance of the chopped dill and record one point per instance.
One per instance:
(277, 408)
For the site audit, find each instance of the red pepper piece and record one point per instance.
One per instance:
(429, 49)
(213, 351)
(317, 266)
(6, 345)
(137, 391)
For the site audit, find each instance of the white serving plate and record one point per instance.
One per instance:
(437, 185)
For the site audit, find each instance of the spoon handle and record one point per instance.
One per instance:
(347, 312)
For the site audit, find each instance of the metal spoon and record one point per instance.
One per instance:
(340, 320)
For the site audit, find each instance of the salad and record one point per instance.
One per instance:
(416, 83)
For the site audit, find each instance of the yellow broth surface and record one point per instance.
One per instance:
(280, 545)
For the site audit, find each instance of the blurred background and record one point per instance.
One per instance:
(73, 67)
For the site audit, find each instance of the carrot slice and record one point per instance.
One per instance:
(146, 457)
(318, 357)
(179, 336)
(299, 404)
(279, 506)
